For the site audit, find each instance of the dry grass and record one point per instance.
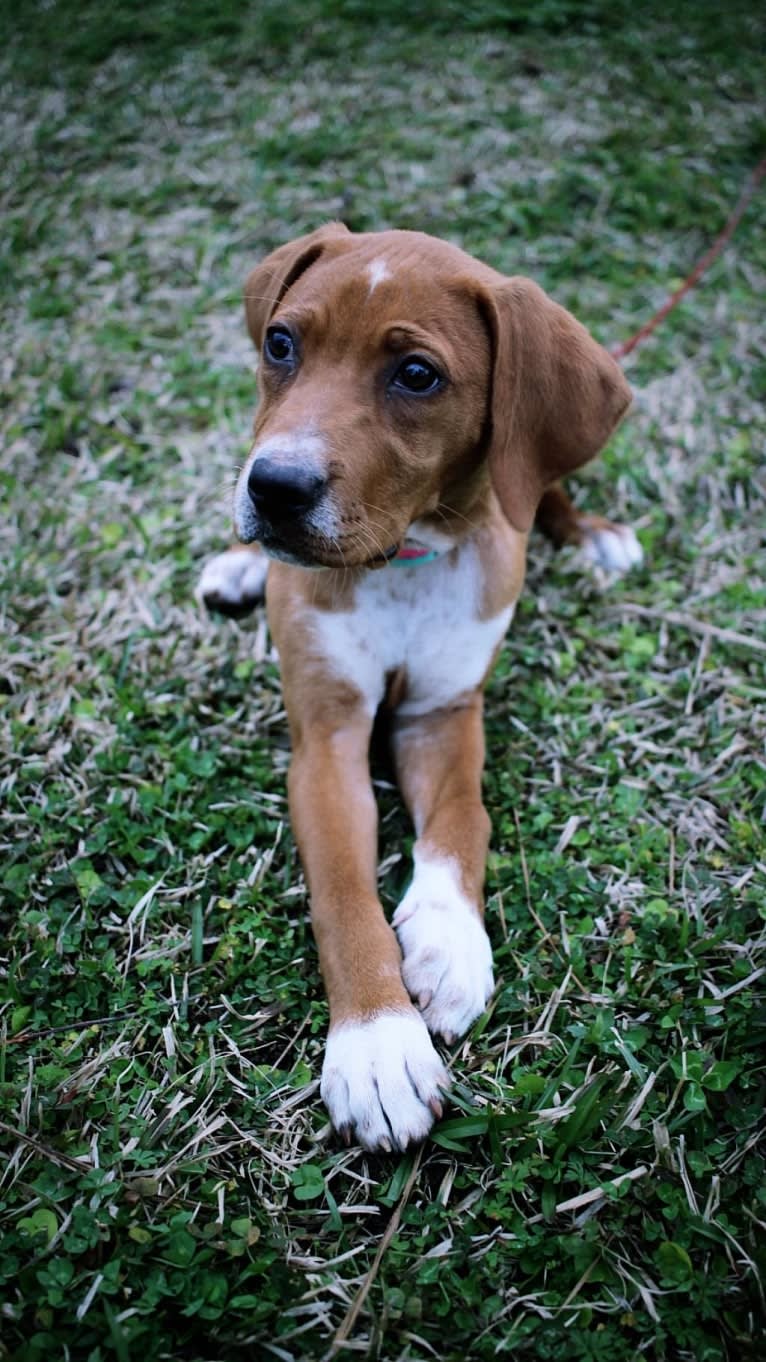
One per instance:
(170, 1182)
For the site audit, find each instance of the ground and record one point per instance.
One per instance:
(171, 1189)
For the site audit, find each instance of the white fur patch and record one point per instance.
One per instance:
(235, 579)
(447, 966)
(383, 1080)
(424, 617)
(616, 549)
(422, 532)
(376, 273)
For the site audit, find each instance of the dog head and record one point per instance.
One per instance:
(396, 374)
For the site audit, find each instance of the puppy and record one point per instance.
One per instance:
(417, 409)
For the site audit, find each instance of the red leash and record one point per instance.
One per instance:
(620, 351)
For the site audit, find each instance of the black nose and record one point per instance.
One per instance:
(277, 491)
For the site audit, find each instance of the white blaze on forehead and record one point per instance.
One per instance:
(377, 272)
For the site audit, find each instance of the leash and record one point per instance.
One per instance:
(625, 348)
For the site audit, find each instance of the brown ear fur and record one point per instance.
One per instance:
(556, 396)
(267, 284)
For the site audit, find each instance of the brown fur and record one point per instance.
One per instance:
(530, 396)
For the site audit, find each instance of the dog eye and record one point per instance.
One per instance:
(416, 375)
(279, 346)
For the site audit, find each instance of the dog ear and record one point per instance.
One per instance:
(268, 283)
(556, 395)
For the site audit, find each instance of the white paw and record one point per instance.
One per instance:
(233, 582)
(447, 965)
(613, 547)
(383, 1080)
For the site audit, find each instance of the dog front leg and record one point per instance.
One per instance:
(440, 922)
(382, 1078)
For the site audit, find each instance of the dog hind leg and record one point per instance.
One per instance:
(604, 543)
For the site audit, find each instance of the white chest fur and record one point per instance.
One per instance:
(423, 617)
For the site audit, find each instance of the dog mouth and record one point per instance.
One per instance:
(318, 551)
(295, 539)
(381, 559)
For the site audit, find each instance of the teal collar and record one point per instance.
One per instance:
(414, 554)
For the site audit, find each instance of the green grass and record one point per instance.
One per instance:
(170, 1188)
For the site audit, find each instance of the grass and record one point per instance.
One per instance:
(169, 1187)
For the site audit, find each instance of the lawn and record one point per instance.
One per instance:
(169, 1186)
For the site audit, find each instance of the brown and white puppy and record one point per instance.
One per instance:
(416, 407)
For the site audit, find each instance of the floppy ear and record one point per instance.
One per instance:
(556, 395)
(268, 283)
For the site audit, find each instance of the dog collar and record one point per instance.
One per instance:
(412, 552)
